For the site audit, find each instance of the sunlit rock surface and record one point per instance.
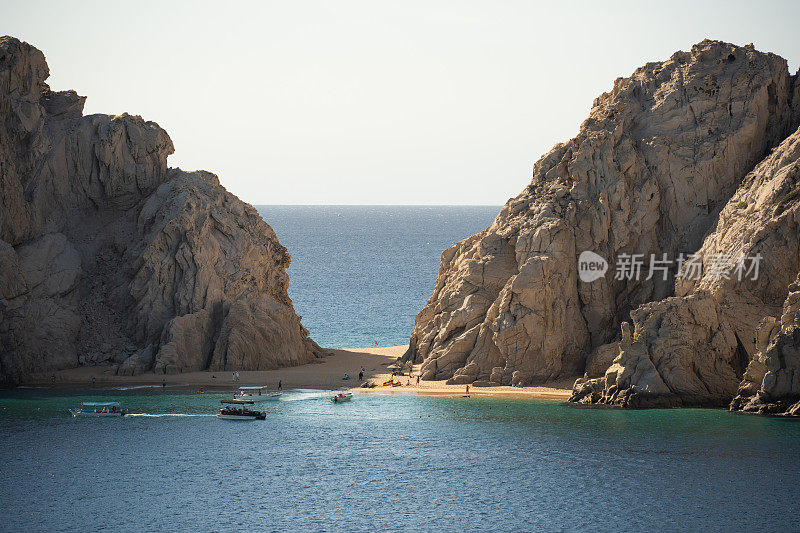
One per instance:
(109, 257)
(659, 157)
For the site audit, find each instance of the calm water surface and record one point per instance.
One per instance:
(360, 274)
(404, 463)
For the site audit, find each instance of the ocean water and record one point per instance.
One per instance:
(390, 463)
(360, 274)
(385, 462)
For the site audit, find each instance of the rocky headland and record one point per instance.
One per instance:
(689, 161)
(109, 257)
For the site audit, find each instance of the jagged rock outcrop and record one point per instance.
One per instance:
(693, 349)
(771, 384)
(110, 257)
(648, 173)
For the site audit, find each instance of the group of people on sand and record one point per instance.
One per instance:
(400, 372)
(362, 372)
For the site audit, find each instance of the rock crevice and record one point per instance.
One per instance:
(650, 172)
(111, 258)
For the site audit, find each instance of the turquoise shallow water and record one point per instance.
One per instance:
(405, 463)
(360, 274)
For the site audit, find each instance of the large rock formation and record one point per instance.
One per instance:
(693, 349)
(651, 168)
(108, 256)
(771, 384)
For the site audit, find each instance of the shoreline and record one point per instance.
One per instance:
(324, 374)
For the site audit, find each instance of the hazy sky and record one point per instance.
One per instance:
(371, 102)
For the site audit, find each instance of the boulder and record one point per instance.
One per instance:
(601, 359)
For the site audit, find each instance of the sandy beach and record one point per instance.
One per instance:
(327, 373)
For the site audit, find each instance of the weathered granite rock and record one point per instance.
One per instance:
(648, 173)
(771, 384)
(601, 359)
(108, 256)
(693, 349)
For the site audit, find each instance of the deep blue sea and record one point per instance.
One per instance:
(390, 463)
(360, 274)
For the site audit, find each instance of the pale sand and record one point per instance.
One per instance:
(324, 374)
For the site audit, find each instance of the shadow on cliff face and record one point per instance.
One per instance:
(662, 165)
(111, 258)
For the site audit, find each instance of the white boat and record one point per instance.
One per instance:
(342, 397)
(99, 409)
(237, 410)
(257, 394)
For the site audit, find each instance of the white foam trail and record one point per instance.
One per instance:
(161, 415)
(297, 395)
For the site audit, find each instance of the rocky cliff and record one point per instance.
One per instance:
(693, 349)
(771, 384)
(109, 257)
(652, 171)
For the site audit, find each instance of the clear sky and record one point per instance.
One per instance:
(371, 102)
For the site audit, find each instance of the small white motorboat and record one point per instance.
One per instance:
(237, 410)
(342, 397)
(257, 394)
(99, 409)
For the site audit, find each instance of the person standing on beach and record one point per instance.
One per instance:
(417, 381)
(280, 384)
(361, 374)
(467, 389)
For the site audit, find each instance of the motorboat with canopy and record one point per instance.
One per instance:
(238, 410)
(257, 394)
(99, 409)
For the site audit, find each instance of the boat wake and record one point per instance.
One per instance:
(166, 415)
(297, 395)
